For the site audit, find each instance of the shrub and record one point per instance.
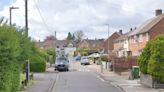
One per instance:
(86, 52)
(37, 62)
(15, 49)
(104, 58)
(9, 65)
(38, 66)
(151, 61)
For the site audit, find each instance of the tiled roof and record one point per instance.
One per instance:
(147, 25)
(123, 36)
(112, 34)
(98, 41)
(61, 42)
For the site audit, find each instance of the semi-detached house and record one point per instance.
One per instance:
(133, 42)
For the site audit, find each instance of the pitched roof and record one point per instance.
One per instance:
(61, 42)
(98, 41)
(123, 36)
(95, 41)
(39, 44)
(147, 25)
(113, 34)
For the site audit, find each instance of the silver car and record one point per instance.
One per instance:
(85, 61)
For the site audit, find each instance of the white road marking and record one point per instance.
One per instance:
(101, 78)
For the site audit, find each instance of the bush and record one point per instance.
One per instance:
(86, 52)
(37, 62)
(15, 49)
(9, 65)
(38, 66)
(104, 58)
(151, 61)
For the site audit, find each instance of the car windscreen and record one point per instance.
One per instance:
(64, 60)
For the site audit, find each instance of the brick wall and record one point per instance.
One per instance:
(158, 29)
(110, 41)
(136, 45)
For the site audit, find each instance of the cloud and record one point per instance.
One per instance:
(91, 16)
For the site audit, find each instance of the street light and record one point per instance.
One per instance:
(108, 40)
(10, 10)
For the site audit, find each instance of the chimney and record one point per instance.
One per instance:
(120, 31)
(131, 29)
(158, 12)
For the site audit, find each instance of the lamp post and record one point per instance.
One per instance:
(108, 44)
(108, 40)
(10, 11)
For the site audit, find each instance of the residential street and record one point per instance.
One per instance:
(81, 79)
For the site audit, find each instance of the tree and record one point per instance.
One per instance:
(78, 36)
(69, 37)
(73, 37)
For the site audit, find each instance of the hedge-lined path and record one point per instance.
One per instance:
(43, 82)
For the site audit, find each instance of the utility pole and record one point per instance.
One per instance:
(26, 29)
(26, 17)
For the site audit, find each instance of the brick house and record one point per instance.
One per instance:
(49, 42)
(109, 42)
(121, 45)
(146, 32)
(92, 44)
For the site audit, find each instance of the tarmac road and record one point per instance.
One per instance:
(81, 79)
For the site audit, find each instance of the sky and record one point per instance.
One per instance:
(91, 16)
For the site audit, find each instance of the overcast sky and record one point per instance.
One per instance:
(90, 16)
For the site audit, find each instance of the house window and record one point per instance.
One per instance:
(140, 38)
(144, 34)
(125, 42)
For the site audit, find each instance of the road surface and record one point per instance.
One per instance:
(81, 79)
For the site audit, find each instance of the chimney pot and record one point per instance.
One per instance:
(131, 29)
(158, 12)
(120, 31)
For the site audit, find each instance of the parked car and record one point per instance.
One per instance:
(62, 63)
(85, 61)
(78, 58)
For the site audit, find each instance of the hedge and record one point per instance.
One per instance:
(15, 49)
(151, 61)
(9, 66)
(37, 62)
(37, 66)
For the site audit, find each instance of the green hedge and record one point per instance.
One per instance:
(38, 62)
(86, 52)
(9, 65)
(151, 61)
(37, 66)
(15, 49)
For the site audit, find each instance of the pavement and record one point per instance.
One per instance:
(43, 82)
(121, 80)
